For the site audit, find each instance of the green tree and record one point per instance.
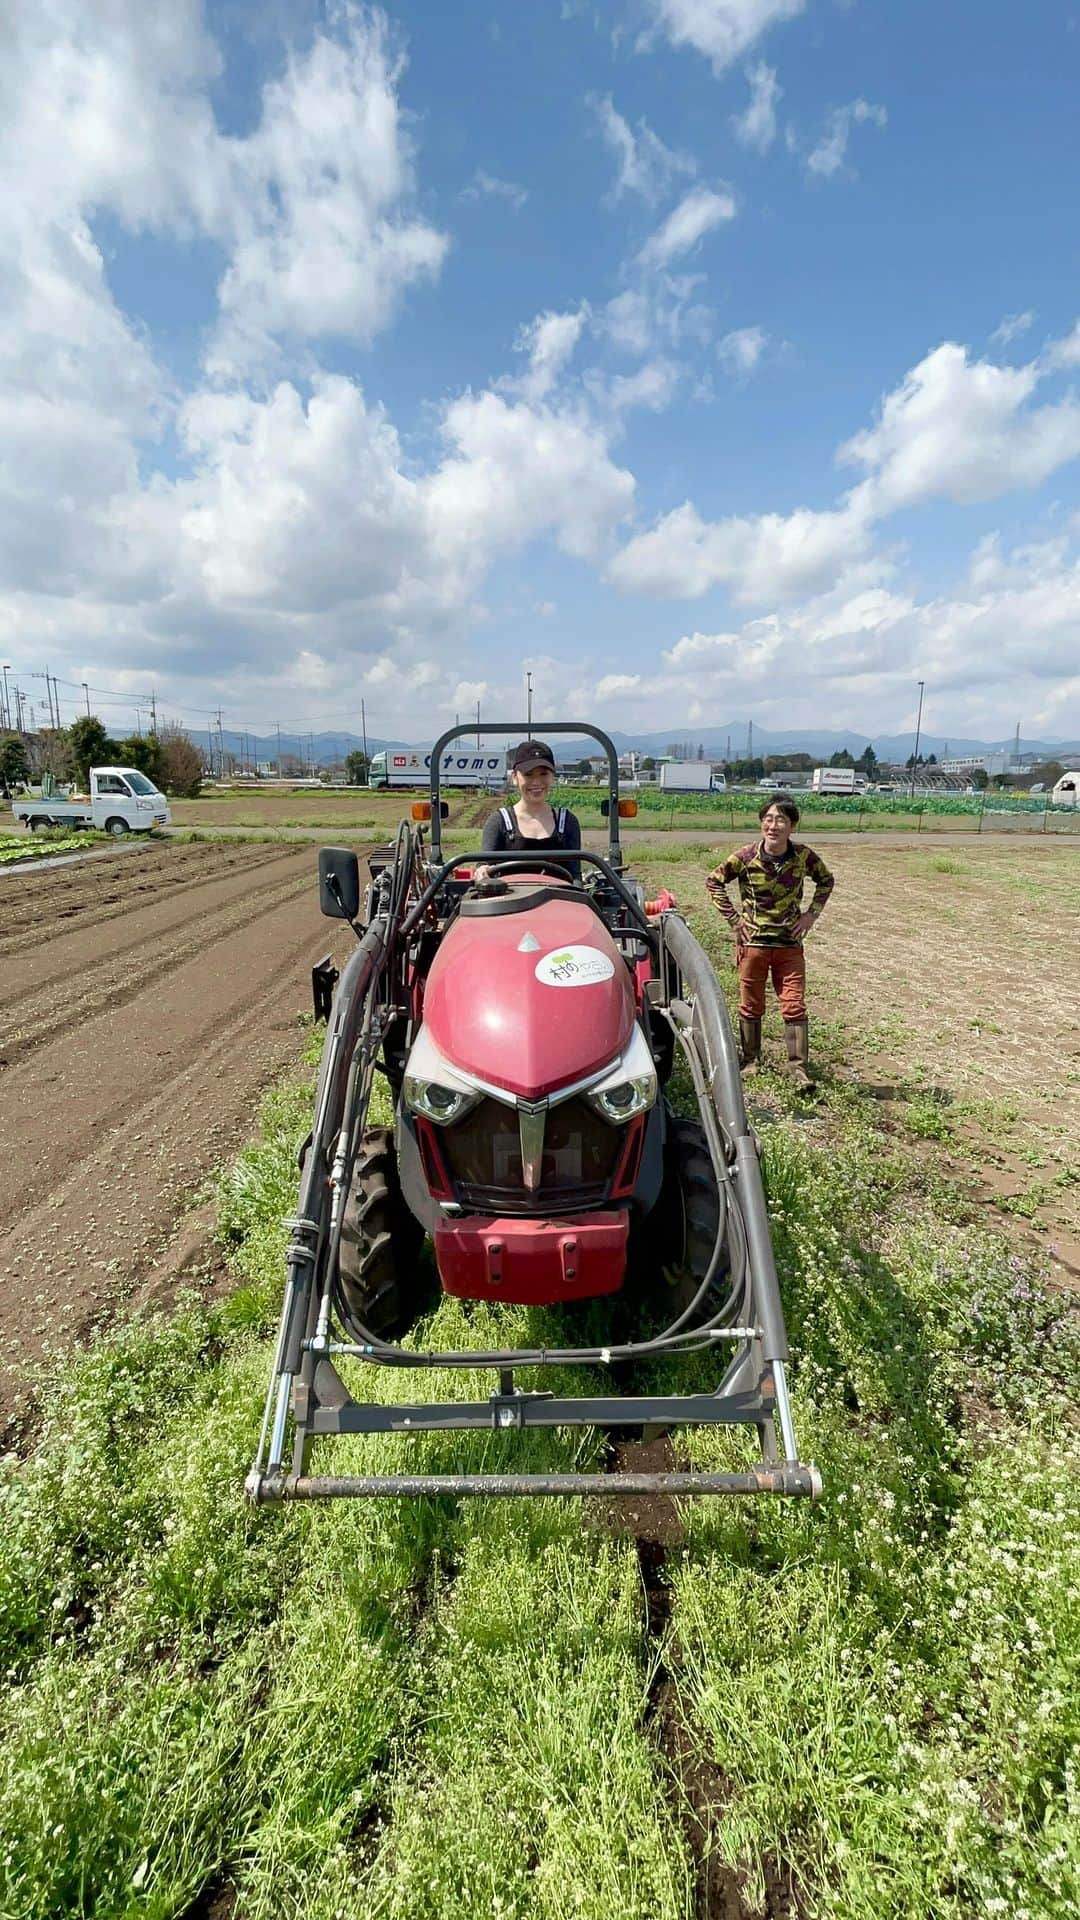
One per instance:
(841, 759)
(90, 746)
(1048, 771)
(648, 765)
(867, 762)
(789, 763)
(357, 769)
(142, 750)
(13, 761)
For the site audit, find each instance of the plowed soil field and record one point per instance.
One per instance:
(146, 1000)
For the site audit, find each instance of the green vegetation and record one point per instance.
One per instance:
(17, 847)
(436, 1709)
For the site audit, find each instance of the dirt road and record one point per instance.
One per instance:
(145, 1002)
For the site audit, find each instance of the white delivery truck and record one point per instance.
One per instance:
(834, 780)
(1066, 792)
(411, 767)
(687, 776)
(121, 800)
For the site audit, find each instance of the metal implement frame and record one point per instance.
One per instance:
(307, 1399)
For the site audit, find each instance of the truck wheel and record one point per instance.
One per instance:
(116, 827)
(379, 1286)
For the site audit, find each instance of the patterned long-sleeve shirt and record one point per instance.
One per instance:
(770, 891)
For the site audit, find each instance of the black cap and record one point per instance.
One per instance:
(530, 755)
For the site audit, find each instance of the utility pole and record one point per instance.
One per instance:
(7, 703)
(918, 731)
(528, 702)
(221, 743)
(86, 690)
(18, 708)
(210, 747)
(153, 713)
(56, 690)
(478, 726)
(47, 677)
(363, 730)
(278, 724)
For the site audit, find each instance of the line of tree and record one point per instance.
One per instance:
(170, 759)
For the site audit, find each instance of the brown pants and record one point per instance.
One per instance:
(788, 968)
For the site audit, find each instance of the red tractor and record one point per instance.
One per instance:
(527, 1026)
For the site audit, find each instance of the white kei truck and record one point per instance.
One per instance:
(121, 800)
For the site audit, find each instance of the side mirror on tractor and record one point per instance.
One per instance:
(627, 809)
(339, 883)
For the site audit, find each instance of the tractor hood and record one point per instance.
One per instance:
(529, 1000)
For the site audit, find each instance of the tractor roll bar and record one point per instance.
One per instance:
(516, 726)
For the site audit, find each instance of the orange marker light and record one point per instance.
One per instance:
(421, 809)
(627, 809)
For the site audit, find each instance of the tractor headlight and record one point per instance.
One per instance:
(434, 1088)
(629, 1097)
(629, 1086)
(436, 1102)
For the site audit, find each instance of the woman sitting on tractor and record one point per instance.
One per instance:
(532, 823)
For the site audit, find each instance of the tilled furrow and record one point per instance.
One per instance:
(54, 1010)
(94, 898)
(236, 879)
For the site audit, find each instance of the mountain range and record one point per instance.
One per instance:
(324, 749)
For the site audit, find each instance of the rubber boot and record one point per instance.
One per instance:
(750, 1040)
(797, 1034)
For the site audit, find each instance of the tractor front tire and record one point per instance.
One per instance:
(379, 1285)
(692, 1211)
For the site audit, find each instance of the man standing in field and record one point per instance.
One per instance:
(769, 927)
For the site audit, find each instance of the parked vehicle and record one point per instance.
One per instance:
(1066, 791)
(689, 776)
(459, 767)
(835, 780)
(121, 800)
(527, 1027)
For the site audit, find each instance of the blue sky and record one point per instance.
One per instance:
(714, 360)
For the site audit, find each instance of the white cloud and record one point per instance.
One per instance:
(320, 244)
(660, 314)
(953, 429)
(770, 557)
(985, 652)
(696, 215)
(1063, 353)
(645, 165)
(614, 683)
(961, 430)
(740, 351)
(550, 342)
(653, 385)
(722, 30)
(488, 186)
(830, 154)
(1010, 329)
(756, 125)
(513, 472)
